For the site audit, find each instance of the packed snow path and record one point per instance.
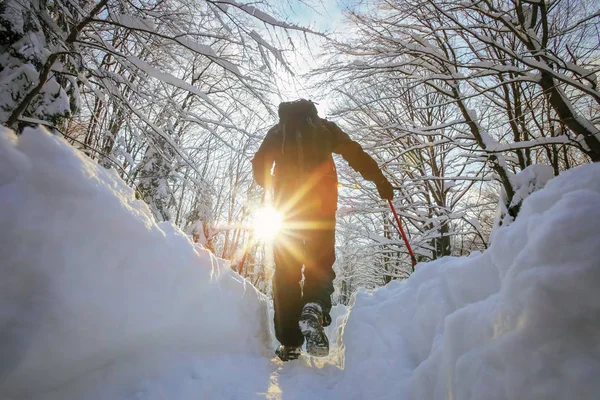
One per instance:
(97, 301)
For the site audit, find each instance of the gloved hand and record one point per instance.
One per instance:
(385, 189)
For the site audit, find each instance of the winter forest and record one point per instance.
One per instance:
(452, 100)
(468, 107)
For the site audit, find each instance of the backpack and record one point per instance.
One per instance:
(306, 142)
(297, 110)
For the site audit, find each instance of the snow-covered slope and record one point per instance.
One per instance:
(97, 301)
(88, 278)
(520, 321)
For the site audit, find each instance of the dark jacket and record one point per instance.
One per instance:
(304, 177)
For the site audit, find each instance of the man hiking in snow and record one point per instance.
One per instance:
(305, 192)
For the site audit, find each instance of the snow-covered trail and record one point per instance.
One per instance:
(98, 301)
(216, 374)
(203, 376)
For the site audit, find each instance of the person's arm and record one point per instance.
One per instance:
(264, 157)
(359, 160)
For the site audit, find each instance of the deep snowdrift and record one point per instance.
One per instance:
(87, 277)
(99, 302)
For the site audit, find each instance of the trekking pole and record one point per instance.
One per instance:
(413, 259)
(250, 239)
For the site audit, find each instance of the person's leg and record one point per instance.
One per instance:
(318, 268)
(287, 298)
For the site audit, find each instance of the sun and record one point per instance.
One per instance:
(267, 222)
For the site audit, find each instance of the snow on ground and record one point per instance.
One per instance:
(97, 301)
(89, 282)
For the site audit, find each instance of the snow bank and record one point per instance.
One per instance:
(526, 182)
(87, 278)
(520, 321)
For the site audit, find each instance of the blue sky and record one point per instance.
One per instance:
(318, 15)
(324, 15)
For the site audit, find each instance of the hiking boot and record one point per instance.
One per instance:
(311, 325)
(287, 353)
